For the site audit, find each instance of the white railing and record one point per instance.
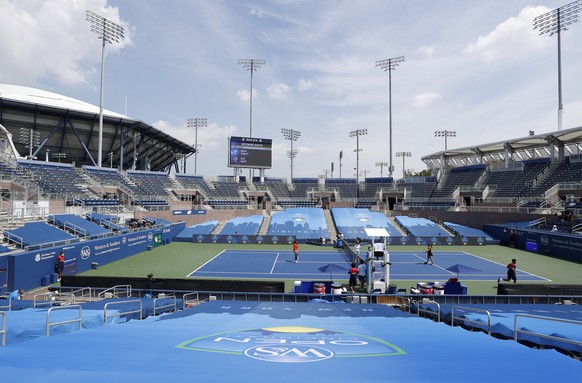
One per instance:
(78, 320)
(453, 317)
(115, 292)
(517, 331)
(120, 313)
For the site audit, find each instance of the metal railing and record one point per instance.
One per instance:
(471, 320)
(120, 313)
(49, 312)
(426, 311)
(517, 331)
(50, 299)
(115, 292)
(3, 329)
(173, 305)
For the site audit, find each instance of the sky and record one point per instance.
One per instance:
(473, 67)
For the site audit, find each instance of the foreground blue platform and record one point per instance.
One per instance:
(229, 341)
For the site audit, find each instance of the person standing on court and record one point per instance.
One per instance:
(296, 250)
(60, 264)
(429, 254)
(362, 271)
(353, 272)
(511, 272)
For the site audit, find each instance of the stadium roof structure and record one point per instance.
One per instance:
(557, 144)
(63, 127)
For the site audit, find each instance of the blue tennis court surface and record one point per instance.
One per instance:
(405, 266)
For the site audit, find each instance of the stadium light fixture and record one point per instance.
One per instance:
(382, 165)
(403, 155)
(553, 23)
(445, 134)
(195, 123)
(388, 65)
(341, 155)
(357, 133)
(251, 65)
(291, 135)
(108, 32)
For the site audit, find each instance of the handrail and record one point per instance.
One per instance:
(517, 331)
(105, 316)
(471, 320)
(114, 291)
(3, 329)
(52, 298)
(186, 302)
(9, 306)
(174, 304)
(48, 317)
(81, 290)
(428, 311)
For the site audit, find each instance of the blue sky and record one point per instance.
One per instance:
(473, 67)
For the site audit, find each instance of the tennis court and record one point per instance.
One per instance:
(273, 264)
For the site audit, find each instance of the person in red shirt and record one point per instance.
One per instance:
(60, 264)
(296, 251)
(353, 272)
(511, 272)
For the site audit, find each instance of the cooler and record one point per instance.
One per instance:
(379, 287)
(438, 290)
(297, 287)
(336, 288)
(318, 288)
(424, 288)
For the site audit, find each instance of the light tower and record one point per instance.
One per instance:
(382, 165)
(445, 134)
(553, 22)
(403, 155)
(108, 32)
(357, 133)
(291, 135)
(388, 65)
(195, 123)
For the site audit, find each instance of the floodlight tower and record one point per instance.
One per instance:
(445, 134)
(251, 65)
(341, 155)
(403, 155)
(195, 123)
(388, 65)
(291, 135)
(382, 165)
(108, 32)
(553, 22)
(357, 133)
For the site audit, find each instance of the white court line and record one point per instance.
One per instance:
(207, 262)
(274, 264)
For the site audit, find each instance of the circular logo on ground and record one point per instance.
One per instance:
(292, 344)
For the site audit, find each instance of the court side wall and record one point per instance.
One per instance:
(564, 246)
(32, 269)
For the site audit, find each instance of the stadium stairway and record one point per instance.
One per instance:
(397, 226)
(264, 229)
(330, 224)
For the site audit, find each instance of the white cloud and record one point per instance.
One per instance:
(279, 90)
(245, 95)
(425, 99)
(303, 85)
(509, 39)
(426, 51)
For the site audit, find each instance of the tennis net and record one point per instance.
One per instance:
(351, 255)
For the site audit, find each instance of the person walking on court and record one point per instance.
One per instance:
(60, 264)
(296, 251)
(353, 272)
(362, 270)
(429, 254)
(511, 272)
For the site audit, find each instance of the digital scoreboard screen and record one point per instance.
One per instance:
(250, 152)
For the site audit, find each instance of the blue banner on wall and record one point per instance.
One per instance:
(30, 269)
(188, 212)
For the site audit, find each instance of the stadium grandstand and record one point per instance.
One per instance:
(524, 194)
